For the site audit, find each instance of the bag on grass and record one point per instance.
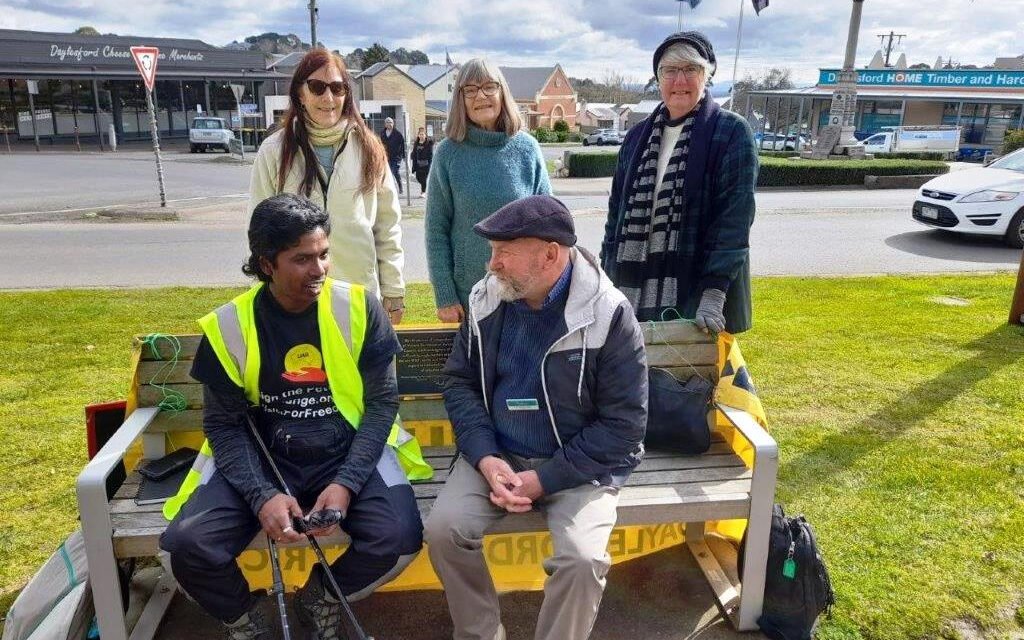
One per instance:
(56, 604)
(797, 587)
(677, 413)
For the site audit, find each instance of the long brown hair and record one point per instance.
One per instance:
(296, 136)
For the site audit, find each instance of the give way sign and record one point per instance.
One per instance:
(145, 61)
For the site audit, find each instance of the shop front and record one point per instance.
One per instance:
(985, 103)
(80, 85)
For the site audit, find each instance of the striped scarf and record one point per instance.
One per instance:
(646, 259)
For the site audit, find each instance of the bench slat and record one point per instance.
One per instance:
(189, 344)
(674, 332)
(673, 355)
(166, 372)
(637, 505)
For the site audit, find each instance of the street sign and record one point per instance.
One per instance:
(33, 87)
(145, 61)
(239, 90)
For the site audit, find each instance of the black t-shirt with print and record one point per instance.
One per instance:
(293, 379)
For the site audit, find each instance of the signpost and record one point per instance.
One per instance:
(239, 90)
(33, 89)
(145, 61)
(1017, 306)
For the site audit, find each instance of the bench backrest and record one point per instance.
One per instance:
(162, 373)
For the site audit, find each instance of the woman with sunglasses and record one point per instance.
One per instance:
(326, 152)
(484, 163)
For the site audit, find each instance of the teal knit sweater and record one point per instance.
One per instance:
(469, 181)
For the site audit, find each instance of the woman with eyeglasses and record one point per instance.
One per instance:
(485, 162)
(326, 152)
(676, 241)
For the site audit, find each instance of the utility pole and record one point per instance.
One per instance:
(312, 22)
(889, 45)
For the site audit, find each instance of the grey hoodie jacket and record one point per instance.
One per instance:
(594, 379)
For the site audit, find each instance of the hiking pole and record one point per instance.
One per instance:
(278, 588)
(328, 517)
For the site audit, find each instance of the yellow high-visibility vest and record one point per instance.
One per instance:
(341, 316)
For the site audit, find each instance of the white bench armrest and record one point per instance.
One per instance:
(762, 498)
(94, 509)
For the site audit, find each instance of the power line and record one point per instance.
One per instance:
(888, 46)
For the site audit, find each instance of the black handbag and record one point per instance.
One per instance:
(677, 412)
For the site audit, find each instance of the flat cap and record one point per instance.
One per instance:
(543, 217)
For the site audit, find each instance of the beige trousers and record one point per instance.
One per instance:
(580, 519)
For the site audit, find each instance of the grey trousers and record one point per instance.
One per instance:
(580, 519)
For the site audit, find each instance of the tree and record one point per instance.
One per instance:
(376, 53)
(86, 31)
(614, 87)
(402, 56)
(776, 78)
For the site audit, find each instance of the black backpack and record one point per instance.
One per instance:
(797, 588)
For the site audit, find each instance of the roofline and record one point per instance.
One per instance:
(388, 63)
(131, 74)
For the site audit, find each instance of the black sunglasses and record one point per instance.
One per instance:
(319, 86)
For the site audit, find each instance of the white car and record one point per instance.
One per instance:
(209, 133)
(779, 142)
(604, 136)
(987, 200)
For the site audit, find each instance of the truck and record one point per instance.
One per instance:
(914, 140)
(209, 133)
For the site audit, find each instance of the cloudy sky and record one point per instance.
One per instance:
(588, 37)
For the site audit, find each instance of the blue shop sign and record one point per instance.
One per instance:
(930, 78)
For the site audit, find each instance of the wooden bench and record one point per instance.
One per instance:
(735, 480)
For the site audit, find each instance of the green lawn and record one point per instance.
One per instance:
(898, 418)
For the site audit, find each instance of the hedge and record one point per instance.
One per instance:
(783, 172)
(1014, 140)
(911, 155)
(778, 154)
(779, 172)
(600, 164)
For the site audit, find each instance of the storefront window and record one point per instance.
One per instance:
(1001, 117)
(876, 114)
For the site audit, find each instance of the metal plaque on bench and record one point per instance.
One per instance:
(424, 352)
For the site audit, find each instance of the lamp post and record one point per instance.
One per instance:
(313, 15)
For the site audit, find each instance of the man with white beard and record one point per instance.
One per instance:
(546, 389)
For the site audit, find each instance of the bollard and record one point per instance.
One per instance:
(78, 144)
(112, 137)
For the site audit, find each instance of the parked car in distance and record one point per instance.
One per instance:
(988, 200)
(209, 133)
(779, 142)
(604, 136)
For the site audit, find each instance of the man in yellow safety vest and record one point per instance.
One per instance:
(312, 360)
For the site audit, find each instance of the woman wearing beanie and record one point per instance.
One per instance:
(326, 152)
(676, 241)
(484, 162)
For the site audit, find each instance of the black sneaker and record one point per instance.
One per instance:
(251, 626)
(319, 614)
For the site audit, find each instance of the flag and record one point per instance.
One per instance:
(448, 59)
(693, 3)
(735, 386)
(759, 5)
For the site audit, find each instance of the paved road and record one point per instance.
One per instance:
(790, 236)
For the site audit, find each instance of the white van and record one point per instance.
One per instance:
(914, 140)
(209, 133)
